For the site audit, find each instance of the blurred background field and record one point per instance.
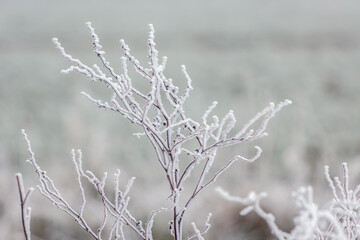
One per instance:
(241, 53)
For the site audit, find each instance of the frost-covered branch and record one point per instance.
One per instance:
(117, 209)
(199, 234)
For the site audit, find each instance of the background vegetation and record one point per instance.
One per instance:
(243, 54)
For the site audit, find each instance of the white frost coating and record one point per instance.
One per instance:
(163, 63)
(97, 45)
(199, 234)
(188, 84)
(256, 156)
(78, 165)
(153, 53)
(268, 113)
(208, 111)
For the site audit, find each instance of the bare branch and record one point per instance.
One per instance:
(25, 211)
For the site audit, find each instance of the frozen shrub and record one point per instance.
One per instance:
(339, 220)
(181, 144)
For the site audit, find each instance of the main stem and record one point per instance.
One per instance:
(178, 220)
(176, 237)
(177, 227)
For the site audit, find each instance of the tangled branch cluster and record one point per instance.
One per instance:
(181, 144)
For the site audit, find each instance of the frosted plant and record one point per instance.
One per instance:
(340, 220)
(181, 143)
(345, 205)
